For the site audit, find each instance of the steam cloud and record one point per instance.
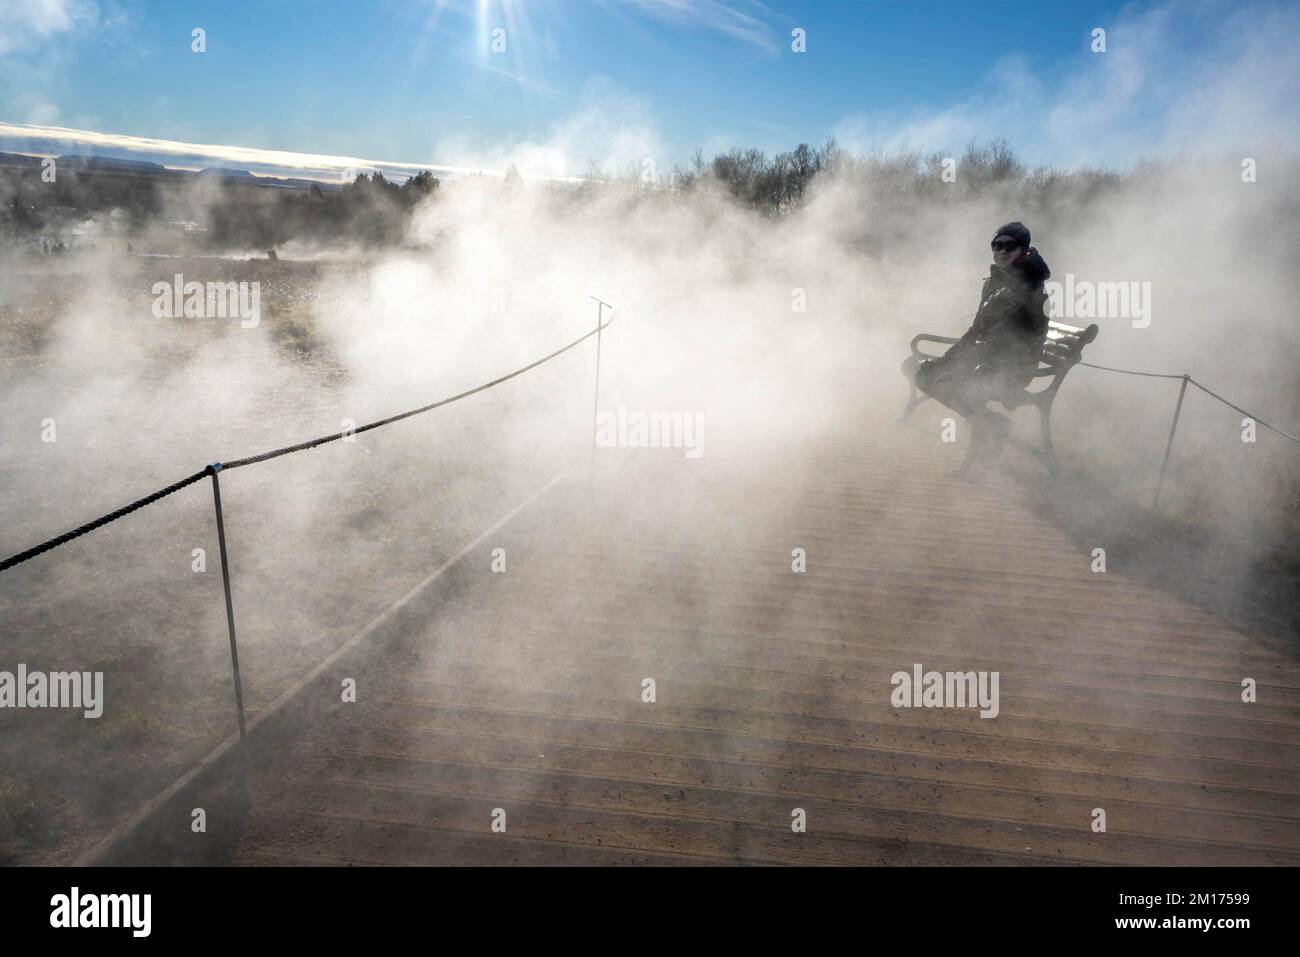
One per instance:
(492, 278)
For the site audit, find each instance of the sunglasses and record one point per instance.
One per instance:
(1004, 245)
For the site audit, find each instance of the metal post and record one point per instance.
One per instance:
(230, 608)
(1170, 444)
(595, 405)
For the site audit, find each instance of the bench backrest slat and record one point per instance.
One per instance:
(1065, 342)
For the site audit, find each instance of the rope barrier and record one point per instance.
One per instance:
(101, 521)
(1212, 394)
(1151, 375)
(334, 437)
(1257, 419)
(265, 456)
(895, 312)
(302, 446)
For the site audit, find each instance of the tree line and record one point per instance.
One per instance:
(374, 211)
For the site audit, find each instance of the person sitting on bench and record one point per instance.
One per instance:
(998, 355)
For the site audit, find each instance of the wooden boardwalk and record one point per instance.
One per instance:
(523, 691)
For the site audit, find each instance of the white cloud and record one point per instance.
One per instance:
(1153, 93)
(24, 23)
(718, 16)
(610, 128)
(54, 140)
(41, 112)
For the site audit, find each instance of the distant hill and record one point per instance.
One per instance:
(218, 172)
(20, 160)
(76, 161)
(113, 166)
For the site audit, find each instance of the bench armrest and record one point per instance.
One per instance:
(926, 337)
(1058, 365)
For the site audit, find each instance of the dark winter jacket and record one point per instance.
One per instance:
(1011, 323)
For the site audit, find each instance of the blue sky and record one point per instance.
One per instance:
(610, 81)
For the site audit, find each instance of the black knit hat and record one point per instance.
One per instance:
(1016, 231)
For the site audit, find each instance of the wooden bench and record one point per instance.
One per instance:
(1061, 350)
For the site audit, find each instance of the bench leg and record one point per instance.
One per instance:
(973, 450)
(916, 399)
(911, 365)
(1049, 449)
